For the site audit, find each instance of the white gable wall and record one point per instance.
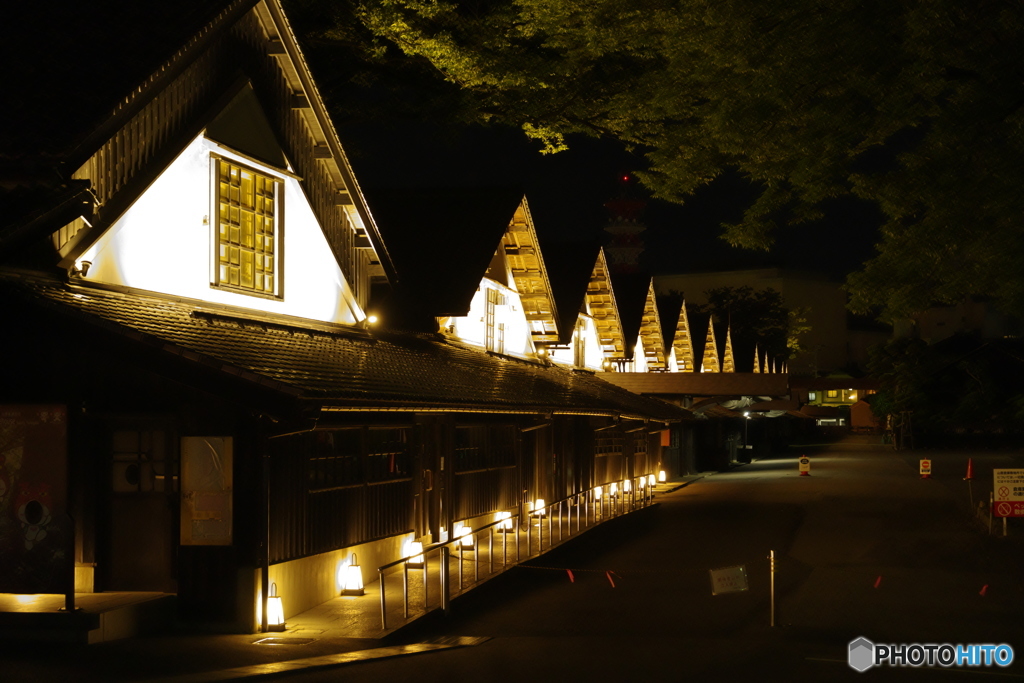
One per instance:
(472, 328)
(165, 243)
(593, 356)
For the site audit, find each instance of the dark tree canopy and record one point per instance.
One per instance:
(916, 106)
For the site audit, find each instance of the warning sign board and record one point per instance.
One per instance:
(1008, 487)
(926, 467)
(728, 580)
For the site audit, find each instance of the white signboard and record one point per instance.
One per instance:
(728, 580)
(1008, 485)
(1008, 490)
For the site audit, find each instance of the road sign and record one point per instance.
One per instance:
(728, 580)
(1008, 486)
(926, 469)
(805, 466)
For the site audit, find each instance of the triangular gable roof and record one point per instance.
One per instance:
(650, 330)
(600, 298)
(571, 267)
(638, 309)
(709, 363)
(166, 74)
(54, 95)
(682, 342)
(728, 363)
(443, 240)
(525, 261)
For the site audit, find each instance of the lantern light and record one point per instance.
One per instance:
(597, 492)
(505, 522)
(615, 488)
(414, 551)
(465, 536)
(275, 610)
(627, 485)
(662, 477)
(540, 508)
(352, 578)
(650, 480)
(642, 481)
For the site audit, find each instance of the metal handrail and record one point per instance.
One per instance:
(645, 495)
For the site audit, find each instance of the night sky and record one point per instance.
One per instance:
(567, 191)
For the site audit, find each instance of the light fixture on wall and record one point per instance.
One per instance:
(505, 519)
(465, 536)
(275, 610)
(352, 578)
(80, 269)
(414, 551)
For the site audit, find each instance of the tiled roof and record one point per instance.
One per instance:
(442, 240)
(336, 366)
(569, 266)
(68, 66)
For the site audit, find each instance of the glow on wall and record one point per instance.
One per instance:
(496, 321)
(166, 242)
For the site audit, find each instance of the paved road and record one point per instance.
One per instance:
(864, 548)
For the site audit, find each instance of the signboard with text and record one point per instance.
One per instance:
(36, 535)
(1008, 493)
(728, 580)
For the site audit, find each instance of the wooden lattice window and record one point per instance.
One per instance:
(248, 231)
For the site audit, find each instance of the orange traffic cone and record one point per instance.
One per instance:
(970, 469)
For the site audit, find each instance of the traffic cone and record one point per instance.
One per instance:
(970, 469)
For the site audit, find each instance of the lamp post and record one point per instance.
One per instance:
(746, 421)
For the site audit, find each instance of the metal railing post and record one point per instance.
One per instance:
(383, 603)
(445, 598)
(529, 543)
(518, 520)
(461, 557)
(405, 588)
(476, 557)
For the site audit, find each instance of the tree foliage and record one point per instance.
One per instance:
(959, 385)
(917, 106)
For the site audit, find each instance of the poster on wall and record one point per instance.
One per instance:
(36, 534)
(206, 507)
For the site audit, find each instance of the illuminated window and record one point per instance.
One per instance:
(832, 393)
(608, 445)
(495, 331)
(247, 232)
